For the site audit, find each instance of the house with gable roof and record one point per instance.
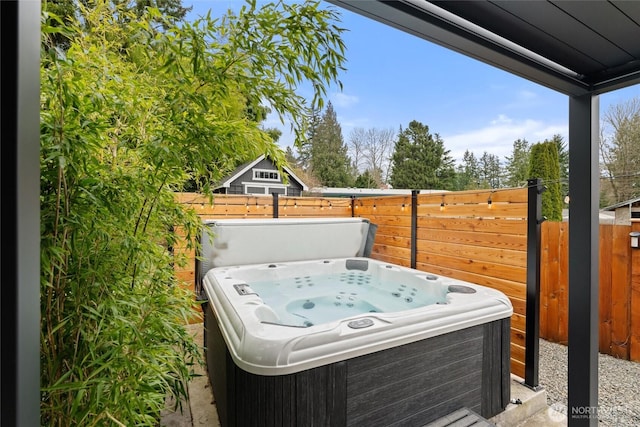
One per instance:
(261, 177)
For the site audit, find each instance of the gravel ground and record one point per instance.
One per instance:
(619, 385)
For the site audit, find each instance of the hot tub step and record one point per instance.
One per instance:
(463, 417)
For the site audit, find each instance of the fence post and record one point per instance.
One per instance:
(275, 204)
(532, 328)
(353, 206)
(414, 226)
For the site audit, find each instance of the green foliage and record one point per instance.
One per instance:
(329, 160)
(305, 148)
(475, 173)
(290, 158)
(544, 164)
(563, 161)
(490, 171)
(64, 12)
(517, 165)
(420, 160)
(468, 172)
(172, 10)
(274, 133)
(68, 11)
(128, 115)
(366, 180)
(278, 48)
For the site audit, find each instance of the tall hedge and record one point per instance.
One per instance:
(544, 164)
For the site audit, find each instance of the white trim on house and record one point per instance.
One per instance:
(258, 172)
(227, 183)
(266, 187)
(293, 175)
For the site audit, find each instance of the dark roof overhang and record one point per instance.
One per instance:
(573, 47)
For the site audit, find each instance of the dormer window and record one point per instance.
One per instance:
(266, 175)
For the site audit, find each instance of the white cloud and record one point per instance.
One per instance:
(340, 99)
(498, 135)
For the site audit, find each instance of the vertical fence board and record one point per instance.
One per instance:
(552, 277)
(563, 282)
(619, 299)
(544, 281)
(606, 247)
(620, 292)
(634, 351)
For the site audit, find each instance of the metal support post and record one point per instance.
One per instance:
(414, 226)
(275, 204)
(584, 190)
(532, 327)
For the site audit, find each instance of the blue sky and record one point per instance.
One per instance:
(393, 78)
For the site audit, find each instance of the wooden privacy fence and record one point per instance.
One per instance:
(476, 236)
(479, 237)
(619, 332)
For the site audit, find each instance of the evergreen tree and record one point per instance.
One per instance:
(329, 159)
(305, 147)
(468, 173)
(366, 180)
(517, 165)
(544, 164)
(563, 162)
(420, 160)
(490, 171)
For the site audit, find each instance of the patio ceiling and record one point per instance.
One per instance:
(574, 47)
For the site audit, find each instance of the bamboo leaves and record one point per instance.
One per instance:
(129, 113)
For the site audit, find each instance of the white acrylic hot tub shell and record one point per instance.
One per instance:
(268, 349)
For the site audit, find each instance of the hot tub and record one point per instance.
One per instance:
(302, 339)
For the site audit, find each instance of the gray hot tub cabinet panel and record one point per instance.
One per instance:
(314, 397)
(412, 384)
